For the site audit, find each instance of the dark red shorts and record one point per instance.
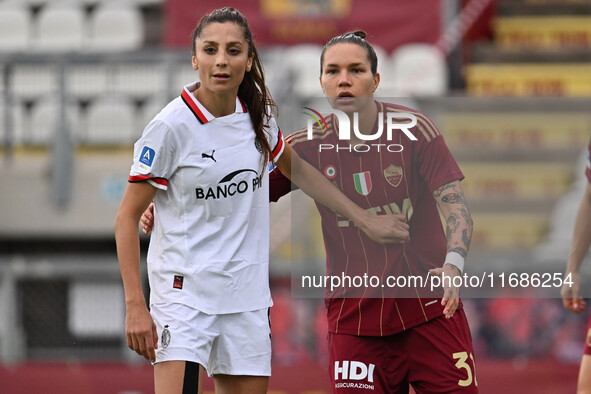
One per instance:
(434, 357)
(587, 349)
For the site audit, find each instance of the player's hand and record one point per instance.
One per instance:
(386, 229)
(140, 331)
(451, 294)
(571, 294)
(147, 219)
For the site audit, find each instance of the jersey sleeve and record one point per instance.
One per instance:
(279, 185)
(588, 168)
(155, 156)
(436, 163)
(276, 141)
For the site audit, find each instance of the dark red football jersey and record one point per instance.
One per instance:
(394, 176)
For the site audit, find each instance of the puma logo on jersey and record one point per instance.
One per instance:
(206, 156)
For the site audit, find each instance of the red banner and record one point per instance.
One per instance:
(389, 23)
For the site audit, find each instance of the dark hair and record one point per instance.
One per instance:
(353, 37)
(252, 90)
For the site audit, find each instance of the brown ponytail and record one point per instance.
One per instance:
(252, 90)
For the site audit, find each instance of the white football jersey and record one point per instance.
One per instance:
(209, 247)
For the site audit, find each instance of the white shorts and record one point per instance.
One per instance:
(231, 344)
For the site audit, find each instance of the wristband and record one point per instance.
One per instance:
(454, 258)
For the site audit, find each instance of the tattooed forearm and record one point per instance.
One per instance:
(467, 237)
(459, 225)
(462, 251)
(450, 226)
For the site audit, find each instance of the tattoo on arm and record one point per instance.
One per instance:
(437, 193)
(459, 225)
(453, 198)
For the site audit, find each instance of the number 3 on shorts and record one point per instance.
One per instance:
(462, 357)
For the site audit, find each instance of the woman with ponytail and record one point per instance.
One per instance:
(203, 161)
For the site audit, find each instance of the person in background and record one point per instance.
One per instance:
(571, 288)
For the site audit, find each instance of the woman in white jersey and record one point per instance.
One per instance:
(203, 161)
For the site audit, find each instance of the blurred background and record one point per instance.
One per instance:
(507, 82)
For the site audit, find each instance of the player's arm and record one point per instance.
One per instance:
(139, 327)
(458, 232)
(570, 292)
(383, 229)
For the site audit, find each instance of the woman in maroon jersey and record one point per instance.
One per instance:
(378, 339)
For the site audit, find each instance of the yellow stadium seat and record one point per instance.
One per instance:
(508, 231)
(516, 180)
(527, 80)
(547, 32)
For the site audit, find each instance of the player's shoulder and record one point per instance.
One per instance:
(424, 129)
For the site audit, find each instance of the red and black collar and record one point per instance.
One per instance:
(202, 114)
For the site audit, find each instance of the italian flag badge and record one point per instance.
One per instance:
(362, 182)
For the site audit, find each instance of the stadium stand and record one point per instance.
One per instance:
(27, 81)
(419, 70)
(86, 81)
(116, 26)
(539, 49)
(111, 121)
(15, 27)
(182, 75)
(44, 120)
(303, 64)
(140, 80)
(60, 27)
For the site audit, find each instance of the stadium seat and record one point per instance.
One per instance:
(530, 180)
(387, 86)
(15, 27)
(150, 109)
(28, 81)
(183, 75)
(304, 64)
(60, 27)
(529, 79)
(140, 80)
(111, 121)
(45, 120)
(17, 115)
(501, 231)
(419, 70)
(273, 60)
(525, 130)
(87, 81)
(116, 27)
(542, 32)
